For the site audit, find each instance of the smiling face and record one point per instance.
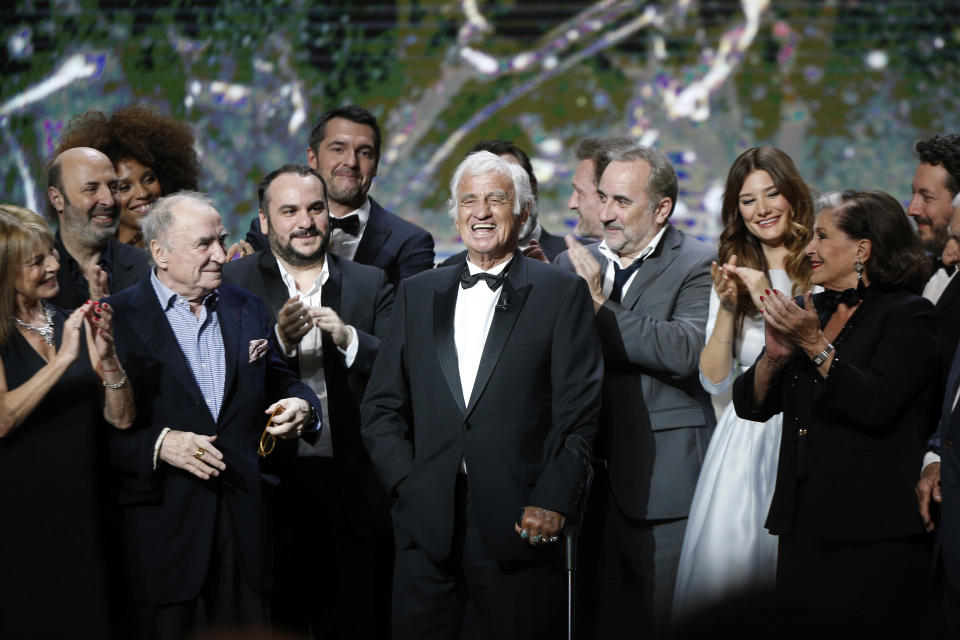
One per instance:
(37, 276)
(297, 226)
(765, 211)
(931, 206)
(485, 219)
(191, 253)
(833, 254)
(86, 207)
(346, 160)
(630, 220)
(137, 188)
(585, 201)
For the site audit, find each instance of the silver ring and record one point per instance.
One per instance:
(553, 538)
(536, 539)
(77, 327)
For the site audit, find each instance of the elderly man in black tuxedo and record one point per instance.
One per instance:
(479, 418)
(333, 524)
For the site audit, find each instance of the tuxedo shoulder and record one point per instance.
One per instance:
(399, 224)
(130, 253)
(236, 270)
(231, 294)
(354, 269)
(548, 272)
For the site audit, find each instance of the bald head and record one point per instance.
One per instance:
(81, 183)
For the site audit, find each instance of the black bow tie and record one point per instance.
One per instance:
(467, 280)
(348, 224)
(830, 299)
(949, 268)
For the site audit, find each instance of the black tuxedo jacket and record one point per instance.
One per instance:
(527, 429)
(167, 515)
(948, 322)
(949, 449)
(363, 298)
(867, 422)
(130, 266)
(389, 242)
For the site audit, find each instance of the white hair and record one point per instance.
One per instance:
(156, 223)
(479, 163)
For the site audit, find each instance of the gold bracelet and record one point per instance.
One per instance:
(116, 385)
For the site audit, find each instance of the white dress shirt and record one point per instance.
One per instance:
(937, 283)
(310, 356)
(471, 323)
(343, 244)
(613, 257)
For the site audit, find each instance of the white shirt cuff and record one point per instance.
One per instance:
(350, 354)
(156, 446)
(291, 352)
(928, 458)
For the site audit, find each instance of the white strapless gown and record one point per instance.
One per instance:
(726, 548)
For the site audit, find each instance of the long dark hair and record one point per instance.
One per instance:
(737, 240)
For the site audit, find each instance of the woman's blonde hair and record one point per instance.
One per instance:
(21, 230)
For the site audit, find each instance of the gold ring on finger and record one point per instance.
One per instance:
(198, 453)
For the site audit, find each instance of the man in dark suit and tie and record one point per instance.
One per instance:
(81, 183)
(650, 285)
(345, 150)
(334, 547)
(195, 510)
(479, 418)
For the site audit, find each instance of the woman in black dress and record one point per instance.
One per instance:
(59, 380)
(854, 372)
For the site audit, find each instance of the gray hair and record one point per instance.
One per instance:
(156, 223)
(662, 182)
(827, 200)
(599, 150)
(479, 163)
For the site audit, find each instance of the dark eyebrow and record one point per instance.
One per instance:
(316, 203)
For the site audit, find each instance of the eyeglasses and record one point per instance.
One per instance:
(267, 439)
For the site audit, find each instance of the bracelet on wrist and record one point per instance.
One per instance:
(116, 385)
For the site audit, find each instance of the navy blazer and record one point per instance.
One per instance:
(362, 297)
(168, 515)
(527, 430)
(948, 435)
(389, 242)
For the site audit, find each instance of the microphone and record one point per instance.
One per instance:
(504, 303)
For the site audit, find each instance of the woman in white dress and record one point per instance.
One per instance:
(767, 215)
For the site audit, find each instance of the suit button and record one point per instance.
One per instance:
(948, 444)
(465, 426)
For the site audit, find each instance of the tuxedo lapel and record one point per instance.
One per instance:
(231, 315)
(156, 332)
(444, 308)
(274, 292)
(332, 289)
(513, 295)
(375, 234)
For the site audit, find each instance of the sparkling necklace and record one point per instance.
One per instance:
(46, 331)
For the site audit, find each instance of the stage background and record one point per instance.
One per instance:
(845, 87)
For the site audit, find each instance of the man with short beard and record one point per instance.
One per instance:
(81, 183)
(333, 528)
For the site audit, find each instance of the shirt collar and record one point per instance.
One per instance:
(363, 213)
(169, 298)
(321, 279)
(495, 271)
(647, 250)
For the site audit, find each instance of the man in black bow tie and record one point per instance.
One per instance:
(479, 418)
(344, 149)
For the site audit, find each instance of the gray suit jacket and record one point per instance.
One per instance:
(657, 419)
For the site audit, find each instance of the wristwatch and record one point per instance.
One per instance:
(821, 357)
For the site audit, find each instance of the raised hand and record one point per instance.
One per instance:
(97, 282)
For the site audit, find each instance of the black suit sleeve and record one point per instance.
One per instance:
(576, 372)
(385, 411)
(415, 255)
(369, 343)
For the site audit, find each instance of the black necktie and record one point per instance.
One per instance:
(494, 282)
(949, 268)
(620, 277)
(348, 224)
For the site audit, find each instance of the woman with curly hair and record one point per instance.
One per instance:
(767, 215)
(153, 155)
